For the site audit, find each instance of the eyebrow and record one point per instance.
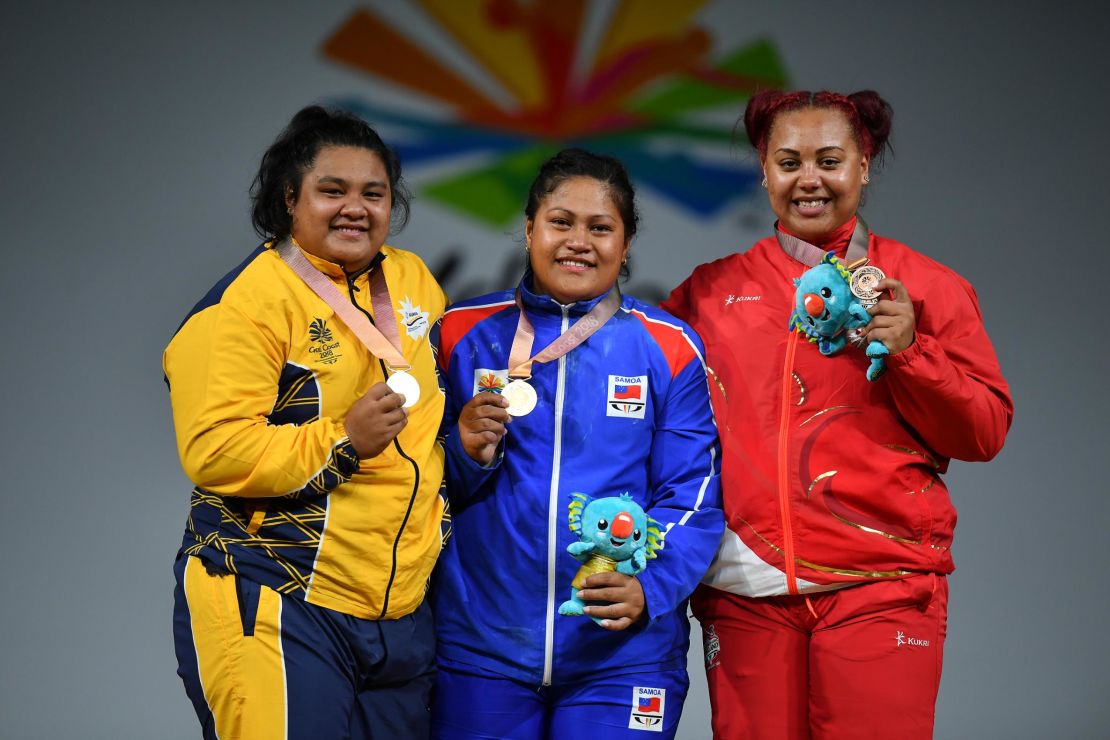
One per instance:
(341, 181)
(575, 213)
(796, 153)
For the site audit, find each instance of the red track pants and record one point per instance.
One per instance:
(860, 662)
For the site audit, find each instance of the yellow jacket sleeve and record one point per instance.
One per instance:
(223, 368)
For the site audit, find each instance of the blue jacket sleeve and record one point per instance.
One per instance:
(462, 475)
(685, 491)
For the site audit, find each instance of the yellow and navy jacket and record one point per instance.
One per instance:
(261, 375)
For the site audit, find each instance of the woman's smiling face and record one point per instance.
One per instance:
(576, 241)
(814, 171)
(342, 212)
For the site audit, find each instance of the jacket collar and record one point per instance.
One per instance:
(335, 271)
(538, 303)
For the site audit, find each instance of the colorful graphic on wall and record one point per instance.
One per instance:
(636, 79)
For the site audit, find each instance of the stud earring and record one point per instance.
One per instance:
(764, 183)
(866, 179)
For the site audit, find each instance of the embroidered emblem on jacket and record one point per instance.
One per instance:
(414, 320)
(323, 347)
(490, 381)
(648, 706)
(627, 396)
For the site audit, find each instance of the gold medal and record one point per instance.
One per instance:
(521, 397)
(403, 383)
(863, 284)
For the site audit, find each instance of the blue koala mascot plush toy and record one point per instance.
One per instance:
(614, 534)
(825, 309)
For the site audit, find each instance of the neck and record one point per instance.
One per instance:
(836, 240)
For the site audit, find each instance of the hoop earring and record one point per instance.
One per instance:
(764, 183)
(866, 179)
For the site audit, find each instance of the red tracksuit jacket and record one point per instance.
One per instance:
(829, 479)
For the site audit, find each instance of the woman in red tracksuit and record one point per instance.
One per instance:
(824, 613)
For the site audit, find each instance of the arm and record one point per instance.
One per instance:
(946, 384)
(223, 368)
(472, 429)
(685, 483)
(686, 497)
(678, 302)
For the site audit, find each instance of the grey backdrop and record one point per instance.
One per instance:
(130, 133)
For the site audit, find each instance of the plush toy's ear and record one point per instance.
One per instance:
(654, 541)
(578, 502)
(797, 282)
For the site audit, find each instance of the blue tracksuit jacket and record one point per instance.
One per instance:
(626, 411)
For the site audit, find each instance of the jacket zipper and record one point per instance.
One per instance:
(553, 514)
(397, 445)
(784, 487)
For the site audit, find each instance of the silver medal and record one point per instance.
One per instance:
(521, 397)
(403, 383)
(863, 284)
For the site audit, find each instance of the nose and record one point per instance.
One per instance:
(622, 525)
(810, 176)
(353, 207)
(577, 236)
(814, 304)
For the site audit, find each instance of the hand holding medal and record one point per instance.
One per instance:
(482, 425)
(892, 320)
(374, 420)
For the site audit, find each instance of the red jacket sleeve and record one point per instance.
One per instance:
(678, 302)
(947, 384)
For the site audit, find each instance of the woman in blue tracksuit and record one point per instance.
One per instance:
(625, 410)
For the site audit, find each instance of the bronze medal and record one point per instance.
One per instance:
(863, 284)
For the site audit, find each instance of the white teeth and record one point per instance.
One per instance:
(573, 263)
(811, 203)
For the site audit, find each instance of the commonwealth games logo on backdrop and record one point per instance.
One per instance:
(638, 79)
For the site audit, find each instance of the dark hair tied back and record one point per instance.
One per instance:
(869, 116)
(294, 152)
(575, 162)
(877, 117)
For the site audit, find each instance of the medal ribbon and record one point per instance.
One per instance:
(382, 339)
(520, 364)
(811, 255)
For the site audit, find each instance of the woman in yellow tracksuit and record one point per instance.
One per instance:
(316, 514)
